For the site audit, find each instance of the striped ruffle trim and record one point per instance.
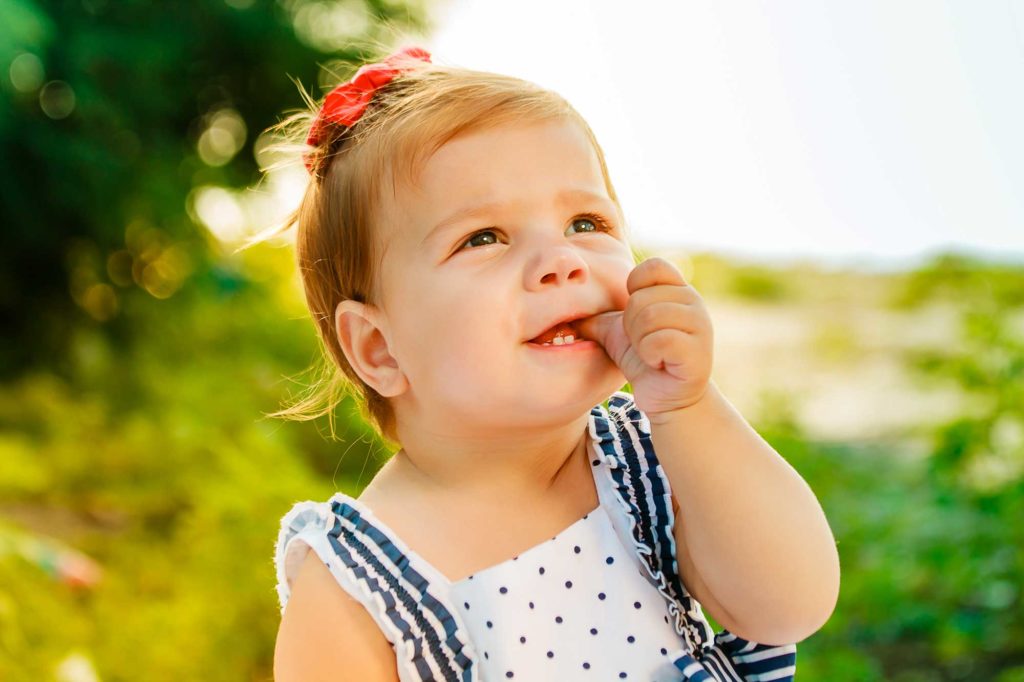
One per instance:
(735, 659)
(644, 492)
(421, 629)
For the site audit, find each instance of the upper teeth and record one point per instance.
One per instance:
(560, 340)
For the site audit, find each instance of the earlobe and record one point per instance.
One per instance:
(358, 326)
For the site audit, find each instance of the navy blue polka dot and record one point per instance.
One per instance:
(576, 549)
(531, 605)
(596, 462)
(542, 570)
(466, 604)
(503, 590)
(610, 561)
(509, 674)
(622, 676)
(558, 619)
(631, 639)
(490, 624)
(522, 640)
(664, 651)
(593, 631)
(636, 605)
(586, 665)
(601, 595)
(568, 584)
(551, 654)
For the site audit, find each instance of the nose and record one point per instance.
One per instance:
(556, 265)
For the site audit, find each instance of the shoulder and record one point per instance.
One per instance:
(325, 634)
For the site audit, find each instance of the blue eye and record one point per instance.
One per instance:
(599, 225)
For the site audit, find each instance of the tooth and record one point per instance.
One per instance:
(558, 341)
(570, 338)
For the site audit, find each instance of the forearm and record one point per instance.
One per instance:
(751, 525)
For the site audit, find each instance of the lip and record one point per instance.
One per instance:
(574, 347)
(570, 319)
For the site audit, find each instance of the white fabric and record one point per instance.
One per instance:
(633, 638)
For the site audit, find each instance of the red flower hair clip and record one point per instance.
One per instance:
(347, 102)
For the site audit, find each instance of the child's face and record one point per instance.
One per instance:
(460, 310)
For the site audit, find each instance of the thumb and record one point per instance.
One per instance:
(602, 327)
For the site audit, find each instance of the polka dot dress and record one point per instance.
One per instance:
(573, 607)
(600, 600)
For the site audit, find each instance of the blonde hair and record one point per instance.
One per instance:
(338, 257)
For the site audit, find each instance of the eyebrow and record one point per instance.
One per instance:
(564, 197)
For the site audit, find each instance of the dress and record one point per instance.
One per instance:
(600, 600)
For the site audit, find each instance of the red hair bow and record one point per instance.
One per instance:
(347, 102)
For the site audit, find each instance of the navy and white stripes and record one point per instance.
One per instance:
(411, 609)
(428, 620)
(737, 660)
(644, 490)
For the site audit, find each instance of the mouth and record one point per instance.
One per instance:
(563, 333)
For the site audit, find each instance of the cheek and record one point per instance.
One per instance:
(449, 327)
(620, 295)
(614, 276)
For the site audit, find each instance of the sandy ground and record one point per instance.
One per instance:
(836, 363)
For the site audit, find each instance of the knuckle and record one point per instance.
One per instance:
(662, 340)
(647, 317)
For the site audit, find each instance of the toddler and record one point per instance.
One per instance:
(536, 522)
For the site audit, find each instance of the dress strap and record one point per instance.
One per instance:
(410, 606)
(623, 434)
(734, 659)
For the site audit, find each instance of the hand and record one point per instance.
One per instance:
(663, 341)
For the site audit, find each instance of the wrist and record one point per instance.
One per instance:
(685, 411)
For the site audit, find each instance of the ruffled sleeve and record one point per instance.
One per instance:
(407, 600)
(307, 523)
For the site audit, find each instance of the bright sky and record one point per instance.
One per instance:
(867, 133)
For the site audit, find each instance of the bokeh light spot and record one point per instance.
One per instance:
(26, 72)
(57, 99)
(223, 137)
(218, 209)
(330, 26)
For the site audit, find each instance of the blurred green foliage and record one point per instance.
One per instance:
(111, 113)
(932, 548)
(155, 462)
(141, 492)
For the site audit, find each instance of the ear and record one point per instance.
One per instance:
(358, 326)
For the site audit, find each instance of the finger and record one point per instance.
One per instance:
(600, 327)
(664, 315)
(665, 347)
(662, 293)
(665, 292)
(654, 271)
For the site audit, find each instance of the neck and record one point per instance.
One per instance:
(514, 469)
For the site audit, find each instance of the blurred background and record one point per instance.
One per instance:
(840, 181)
